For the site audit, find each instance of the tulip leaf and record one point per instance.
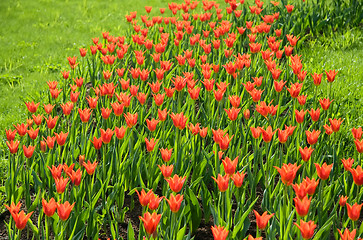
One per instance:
(181, 233)
(195, 211)
(238, 227)
(325, 228)
(130, 232)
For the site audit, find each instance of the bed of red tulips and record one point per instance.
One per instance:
(204, 114)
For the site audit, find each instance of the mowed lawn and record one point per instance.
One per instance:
(36, 37)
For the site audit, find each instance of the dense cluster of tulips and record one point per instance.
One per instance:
(203, 115)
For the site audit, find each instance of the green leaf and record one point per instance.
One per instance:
(240, 223)
(130, 232)
(195, 211)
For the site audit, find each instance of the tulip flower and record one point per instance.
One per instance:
(21, 129)
(64, 210)
(13, 208)
(306, 229)
(356, 132)
(120, 132)
(21, 219)
(302, 206)
(166, 170)
(90, 167)
(203, 132)
(219, 232)
(32, 107)
(238, 178)
(256, 132)
(151, 124)
(311, 185)
(299, 115)
(179, 120)
(312, 137)
(150, 144)
(61, 184)
(323, 170)
(331, 75)
(106, 135)
(75, 176)
(13, 146)
(154, 201)
(262, 220)
(359, 145)
(306, 153)
(288, 172)
(222, 182)
(335, 124)
(61, 138)
(347, 163)
(347, 235)
(175, 202)
(354, 211)
(343, 200)
(28, 151)
(325, 103)
(229, 165)
(357, 174)
(151, 222)
(267, 134)
(144, 197)
(97, 143)
(252, 238)
(176, 183)
(131, 119)
(49, 207)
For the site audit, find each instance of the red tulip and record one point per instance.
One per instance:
(176, 183)
(219, 233)
(288, 172)
(323, 170)
(49, 207)
(354, 211)
(306, 228)
(222, 182)
(262, 220)
(64, 210)
(302, 206)
(90, 167)
(175, 202)
(151, 222)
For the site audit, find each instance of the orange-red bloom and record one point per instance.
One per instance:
(354, 211)
(222, 182)
(331, 75)
(20, 219)
(176, 183)
(219, 232)
(28, 151)
(90, 167)
(151, 222)
(32, 107)
(238, 178)
(61, 184)
(302, 205)
(262, 220)
(312, 137)
(288, 172)
(144, 197)
(347, 235)
(267, 134)
(175, 202)
(64, 210)
(323, 170)
(150, 144)
(179, 120)
(357, 174)
(131, 119)
(343, 200)
(61, 138)
(151, 124)
(49, 207)
(229, 165)
(13, 146)
(166, 170)
(306, 153)
(359, 145)
(306, 228)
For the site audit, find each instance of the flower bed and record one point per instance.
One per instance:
(203, 113)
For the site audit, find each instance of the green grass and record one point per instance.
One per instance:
(342, 52)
